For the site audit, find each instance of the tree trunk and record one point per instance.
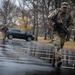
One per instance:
(56, 3)
(37, 23)
(59, 3)
(43, 9)
(34, 25)
(37, 29)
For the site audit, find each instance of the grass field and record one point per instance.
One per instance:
(1, 36)
(68, 45)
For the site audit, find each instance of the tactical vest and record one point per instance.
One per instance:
(62, 17)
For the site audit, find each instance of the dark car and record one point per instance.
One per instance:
(20, 34)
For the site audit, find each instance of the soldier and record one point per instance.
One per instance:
(4, 30)
(62, 16)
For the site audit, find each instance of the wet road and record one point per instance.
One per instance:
(23, 66)
(25, 58)
(15, 68)
(14, 62)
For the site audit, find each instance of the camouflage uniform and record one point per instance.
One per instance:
(65, 19)
(4, 32)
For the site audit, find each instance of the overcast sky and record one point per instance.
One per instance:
(17, 3)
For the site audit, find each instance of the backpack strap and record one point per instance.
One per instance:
(56, 12)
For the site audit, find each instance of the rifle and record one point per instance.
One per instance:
(60, 28)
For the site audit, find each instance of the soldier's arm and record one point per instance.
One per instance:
(52, 14)
(70, 23)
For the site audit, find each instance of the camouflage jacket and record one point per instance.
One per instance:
(64, 18)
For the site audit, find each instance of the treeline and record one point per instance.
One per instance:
(36, 10)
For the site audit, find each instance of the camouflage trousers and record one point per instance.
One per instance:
(57, 56)
(58, 43)
(59, 40)
(4, 37)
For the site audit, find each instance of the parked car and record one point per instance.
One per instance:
(20, 34)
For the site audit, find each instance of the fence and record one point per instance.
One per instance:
(45, 52)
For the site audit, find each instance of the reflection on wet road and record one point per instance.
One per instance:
(30, 58)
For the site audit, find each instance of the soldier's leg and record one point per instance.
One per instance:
(58, 57)
(59, 62)
(57, 53)
(4, 38)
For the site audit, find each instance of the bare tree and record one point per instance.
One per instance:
(24, 12)
(34, 11)
(6, 12)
